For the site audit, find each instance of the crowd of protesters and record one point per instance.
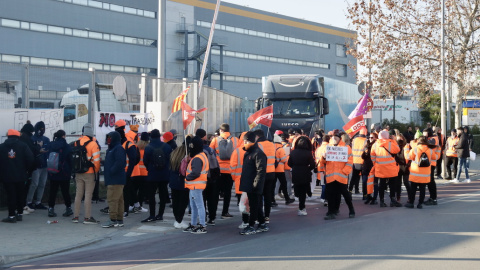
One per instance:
(203, 169)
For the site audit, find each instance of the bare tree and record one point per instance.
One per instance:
(408, 32)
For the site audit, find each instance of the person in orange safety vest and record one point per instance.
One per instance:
(336, 175)
(223, 146)
(385, 167)
(420, 176)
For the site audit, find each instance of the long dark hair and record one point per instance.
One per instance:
(303, 143)
(59, 134)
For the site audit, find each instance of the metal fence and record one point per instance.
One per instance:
(38, 87)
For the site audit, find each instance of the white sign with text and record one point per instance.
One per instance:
(337, 153)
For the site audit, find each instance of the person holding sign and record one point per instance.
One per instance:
(338, 162)
(385, 167)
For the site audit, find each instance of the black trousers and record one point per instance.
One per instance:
(334, 190)
(402, 177)
(210, 198)
(280, 176)
(95, 194)
(439, 166)
(15, 197)
(413, 191)
(180, 200)
(355, 180)
(127, 193)
(138, 189)
(391, 182)
(301, 192)
(225, 185)
(432, 186)
(256, 211)
(152, 188)
(450, 161)
(64, 188)
(267, 192)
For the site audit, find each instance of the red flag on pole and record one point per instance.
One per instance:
(188, 114)
(177, 103)
(354, 125)
(263, 116)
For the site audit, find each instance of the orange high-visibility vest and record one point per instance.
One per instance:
(140, 169)
(451, 151)
(224, 164)
(358, 146)
(201, 181)
(420, 174)
(124, 145)
(336, 170)
(236, 164)
(280, 157)
(93, 153)
(438, 150)
(269, 149)
(384, 164)
(318, 154)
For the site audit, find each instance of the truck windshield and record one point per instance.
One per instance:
(294, 107)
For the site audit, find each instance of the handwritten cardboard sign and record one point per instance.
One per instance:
(337, 153)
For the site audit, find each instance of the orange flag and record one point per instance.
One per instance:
(188, 114)
(177, 103)
(354, 125)
(263, 116)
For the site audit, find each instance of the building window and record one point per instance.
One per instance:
(264, 35)
(341, 70)
(341, 50)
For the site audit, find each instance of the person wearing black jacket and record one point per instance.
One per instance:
(157, 179)
(252, 182)
(26, 137)
(367, 167)
(463, 151)
(404, 171)
(16, 160)
(302, 163)
(114, 175)
(61, 179)
(409, 135)
(466, 130)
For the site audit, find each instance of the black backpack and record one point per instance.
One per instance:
(159, 159)
(137, 159)
(424, 161)
(80, 161)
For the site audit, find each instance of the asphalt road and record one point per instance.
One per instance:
(445, 236)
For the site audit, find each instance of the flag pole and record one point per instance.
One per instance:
(185, 140)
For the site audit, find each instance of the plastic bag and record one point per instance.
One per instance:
(243, 206)
(473, 156)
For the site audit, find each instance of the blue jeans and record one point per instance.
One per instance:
(462, 163)
(39, 179)
(198, 209)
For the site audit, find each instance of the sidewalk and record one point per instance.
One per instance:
(33, 237)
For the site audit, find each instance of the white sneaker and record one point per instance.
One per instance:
(278, 198)
(467, 180)
(455, 180)
(322, 200)
(177, 225)
(243, 225)
(28, 209)
(144, 210)
(130, 209)
(302, 212)
(184, 225)
(25, 211)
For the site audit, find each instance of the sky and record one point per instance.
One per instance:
(330, 12)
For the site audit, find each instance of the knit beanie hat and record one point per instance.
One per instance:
(418, 134)
(88, 130)
(155, 134)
